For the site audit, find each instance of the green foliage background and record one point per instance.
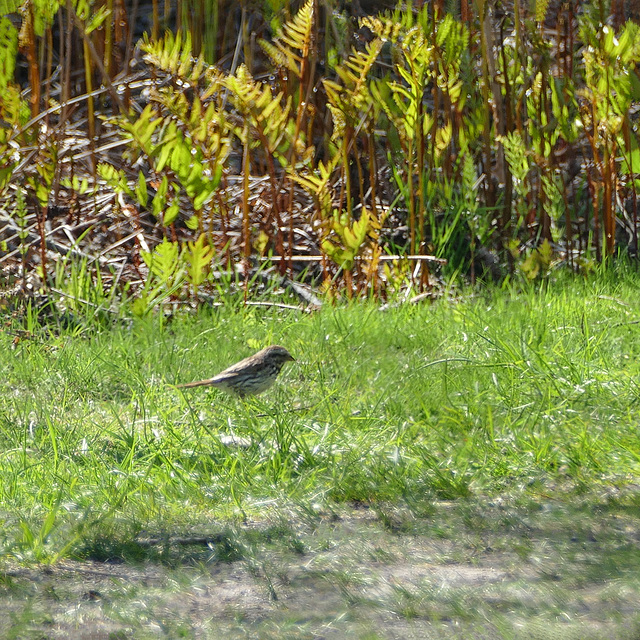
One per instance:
(498, 145)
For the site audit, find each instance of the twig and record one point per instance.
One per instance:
(262, 303)
(425, 258)
(217, 538)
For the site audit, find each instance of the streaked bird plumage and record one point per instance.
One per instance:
(250, 376)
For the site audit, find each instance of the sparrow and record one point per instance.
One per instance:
(250, 376)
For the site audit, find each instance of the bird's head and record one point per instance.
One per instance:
(278, 354)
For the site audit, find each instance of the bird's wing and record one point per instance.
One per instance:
(247, 366)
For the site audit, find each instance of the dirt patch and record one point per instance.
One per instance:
(467, 571)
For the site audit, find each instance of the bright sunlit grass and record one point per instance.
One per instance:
(532, 394)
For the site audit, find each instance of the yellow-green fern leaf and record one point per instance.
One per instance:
(292, 42)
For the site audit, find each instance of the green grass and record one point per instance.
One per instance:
(528, 398)
(536, 392)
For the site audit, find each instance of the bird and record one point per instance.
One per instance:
(250, 376)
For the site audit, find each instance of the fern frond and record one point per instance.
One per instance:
(384, 28)
(381, 92)
(293, 37)
(142, 129)
(355, 69)
(164, 260)
(353, 96)
(8, 51)
(516, 155)
(10, 6)
(199, 256)
(256, 101)
(453, 38)
(316, 184)
(541, 10)
(173, 56)
(115, 178)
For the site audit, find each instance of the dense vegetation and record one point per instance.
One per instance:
(331, 141)
(441, 459)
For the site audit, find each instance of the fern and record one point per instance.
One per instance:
(354, 95)
(516, 156)
(163, 261)
(166, 192)
(174, 57)
(294, 36)
(198, 256)
(317, 184)
(469, 184)
(182, 137)
(352, 235)
(42, 181)
(541, 9)
(20, 217)
(407, 96)
(453, 38)
(538, 262)
(386, 29)
(43, 13)
(143, 128)
(142, 195)
(268, 114)
(78, 186)
(115, 178)
(554, 205)
(8, 51)
(381, 93)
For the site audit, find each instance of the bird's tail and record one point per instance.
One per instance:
(199, 383)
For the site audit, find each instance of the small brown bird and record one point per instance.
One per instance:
(250, 376)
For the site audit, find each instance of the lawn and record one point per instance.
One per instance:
(463, 468)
